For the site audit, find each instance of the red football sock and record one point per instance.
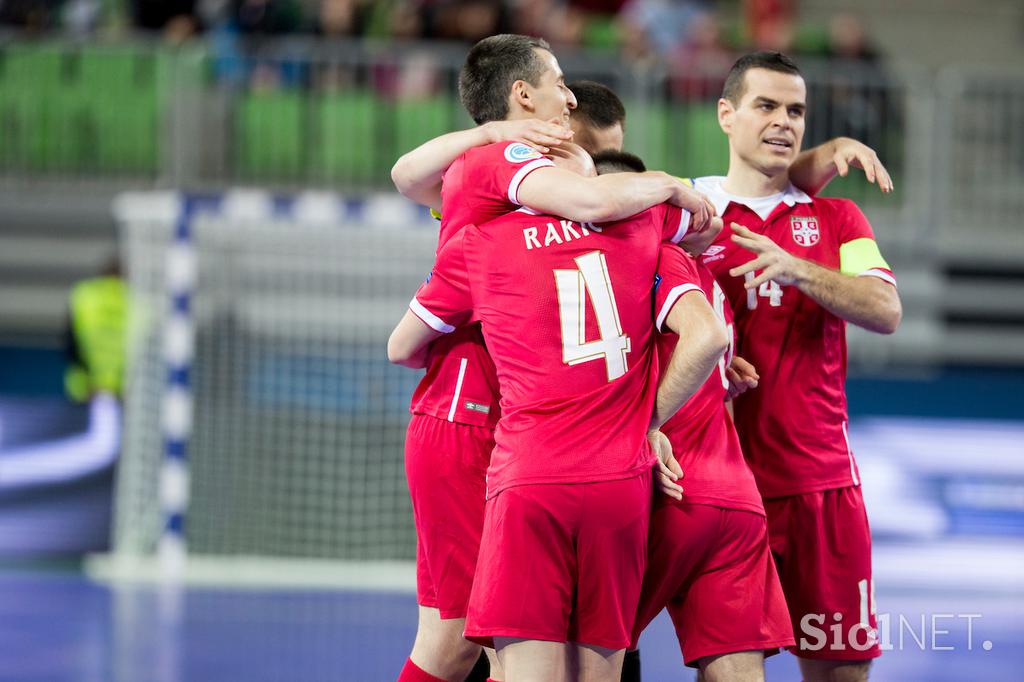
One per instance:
(413, 673)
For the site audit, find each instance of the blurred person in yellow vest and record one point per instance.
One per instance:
(97, 336)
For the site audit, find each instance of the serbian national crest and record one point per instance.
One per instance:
(805, 229)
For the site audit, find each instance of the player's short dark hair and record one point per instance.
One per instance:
(614, 161)
(597, 105)
(735, 84)
(491, 67)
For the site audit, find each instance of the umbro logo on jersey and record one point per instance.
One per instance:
(713, 253)
(517, 152)
(477, 407)
(805, 230)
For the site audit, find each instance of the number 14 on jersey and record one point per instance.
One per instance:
(770, 290)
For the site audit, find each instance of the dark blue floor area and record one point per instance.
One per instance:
(62, 628)
(960, 392)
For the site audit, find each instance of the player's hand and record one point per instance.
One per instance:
(742, 377)
(668, 470)
(849, 152)
(696, 243)
(772, 260)
(542, 135)
(700, 207)
(707, 213)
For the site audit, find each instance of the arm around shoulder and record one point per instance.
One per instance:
(417, 173)
(605, 198)
(814, 168)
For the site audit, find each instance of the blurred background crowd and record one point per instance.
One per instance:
(637, 29)
(373, 53)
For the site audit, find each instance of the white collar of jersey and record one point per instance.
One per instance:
(712, 186)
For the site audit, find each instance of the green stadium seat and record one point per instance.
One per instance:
(682, 139)
(811, 39)
(703, 147)
(118, 92)
(269, 135)
(601, 33)
(647, 128)
(348, 146)
(91, 109)
(32, 77)
(418, 120)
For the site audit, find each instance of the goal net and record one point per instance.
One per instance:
(262, 418)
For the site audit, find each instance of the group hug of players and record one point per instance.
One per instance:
(634, 391)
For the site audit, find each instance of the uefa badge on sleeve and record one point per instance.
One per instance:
(517, 152)
(805, 229)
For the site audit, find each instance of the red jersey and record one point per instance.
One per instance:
(566, 313)
(460, 384)
(702, 434)
(793, 426)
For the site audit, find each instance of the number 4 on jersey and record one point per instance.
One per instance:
(574, 286)
(770, 290)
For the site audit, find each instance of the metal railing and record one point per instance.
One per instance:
(302, 113)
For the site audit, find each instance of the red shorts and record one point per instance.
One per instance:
(562, 563)
(822, 544)
(446, 467)
(712, 568)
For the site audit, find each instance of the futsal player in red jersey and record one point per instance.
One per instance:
(795, 270)
(440, 470)
(566, 313)
(709, 560)
(455, 406)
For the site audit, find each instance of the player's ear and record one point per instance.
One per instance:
(726, 111)
(522, 95)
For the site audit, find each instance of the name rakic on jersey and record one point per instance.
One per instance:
(556, 233)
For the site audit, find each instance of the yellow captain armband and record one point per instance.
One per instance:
(435, 214)
(860, 255)
(686, 181)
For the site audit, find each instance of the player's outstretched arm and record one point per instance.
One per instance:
(702, 341)
(410, 340)
(867, 302)
(417, 174)
(814, 168)
(605, 198)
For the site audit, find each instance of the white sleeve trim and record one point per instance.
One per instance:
(517, 179)
(429, 318)
(880, 274)
(684, 226)
(673, 296)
